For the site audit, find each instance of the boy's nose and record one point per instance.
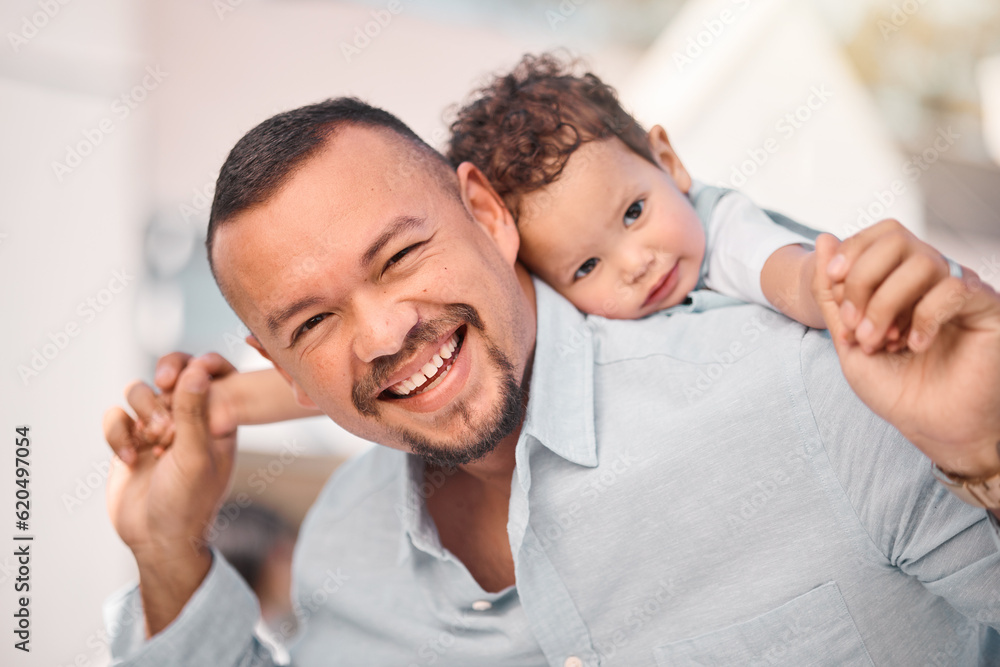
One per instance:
(636, 265)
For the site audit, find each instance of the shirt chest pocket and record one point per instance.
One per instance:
(814, 629)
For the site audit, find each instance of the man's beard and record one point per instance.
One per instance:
(484, 437)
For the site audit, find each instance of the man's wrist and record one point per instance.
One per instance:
(167, 580)
(977, 483)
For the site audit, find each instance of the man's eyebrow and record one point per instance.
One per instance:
(275, 320)
(398, 226)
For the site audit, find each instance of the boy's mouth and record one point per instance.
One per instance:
(432, 372)
(663, 287)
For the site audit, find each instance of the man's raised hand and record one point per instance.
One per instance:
(942, 388)
(162, 505)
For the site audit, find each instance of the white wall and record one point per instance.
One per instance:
(63, 241)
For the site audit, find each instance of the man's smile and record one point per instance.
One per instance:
(420, 377)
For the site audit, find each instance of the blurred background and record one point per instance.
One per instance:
(115, 116)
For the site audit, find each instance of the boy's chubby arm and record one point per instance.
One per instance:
(234, 399)
(786, 281)
(890, 270)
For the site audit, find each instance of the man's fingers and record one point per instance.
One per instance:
(152, 412)
(894, 299)
(216, 364)
(169, 368)
(868, 270)
(967, 299)
(190, 409)
(854, 246)
(118, 429)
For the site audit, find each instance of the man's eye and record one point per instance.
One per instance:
(633, 212)
(586, 268)
(307, 325)
(398, 257)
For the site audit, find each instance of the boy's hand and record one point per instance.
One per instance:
(879, 277)
(154, 427)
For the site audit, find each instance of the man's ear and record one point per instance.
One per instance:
(663, 153)
(488, 209)
(300, 396)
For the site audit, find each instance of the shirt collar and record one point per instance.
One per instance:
(411, 508)
(560, 411)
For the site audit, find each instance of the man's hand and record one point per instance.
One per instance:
(881, 274)
(154, 425)
(162, 505)
(943, 392)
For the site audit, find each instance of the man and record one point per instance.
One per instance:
(700, 487)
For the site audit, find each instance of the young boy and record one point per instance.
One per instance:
(610, 218)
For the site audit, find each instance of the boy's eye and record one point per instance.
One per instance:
(585, 268)
(633, 212)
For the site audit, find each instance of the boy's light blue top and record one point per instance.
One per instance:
(695, 488)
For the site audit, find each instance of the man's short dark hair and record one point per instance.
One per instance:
(263, 160)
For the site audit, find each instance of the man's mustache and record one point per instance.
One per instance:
(364, 392)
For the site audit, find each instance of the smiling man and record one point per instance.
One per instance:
(551, 490)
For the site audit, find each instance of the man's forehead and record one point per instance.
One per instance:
(331, 208)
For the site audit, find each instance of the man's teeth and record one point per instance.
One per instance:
(416, 381)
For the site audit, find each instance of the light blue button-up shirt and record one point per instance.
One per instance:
(700, 487)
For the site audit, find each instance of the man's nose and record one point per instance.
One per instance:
(381, 328)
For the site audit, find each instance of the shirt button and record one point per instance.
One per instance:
(482, 605)
(573, 661)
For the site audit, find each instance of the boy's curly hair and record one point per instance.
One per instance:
(522, 127)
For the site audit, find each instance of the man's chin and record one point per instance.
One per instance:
(480, 439)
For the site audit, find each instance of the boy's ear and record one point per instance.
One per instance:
(300, 396)
(665, 156)
(488, 209)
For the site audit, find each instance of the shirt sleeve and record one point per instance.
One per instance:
(739, 239)
(215, 628)
(916, 524)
